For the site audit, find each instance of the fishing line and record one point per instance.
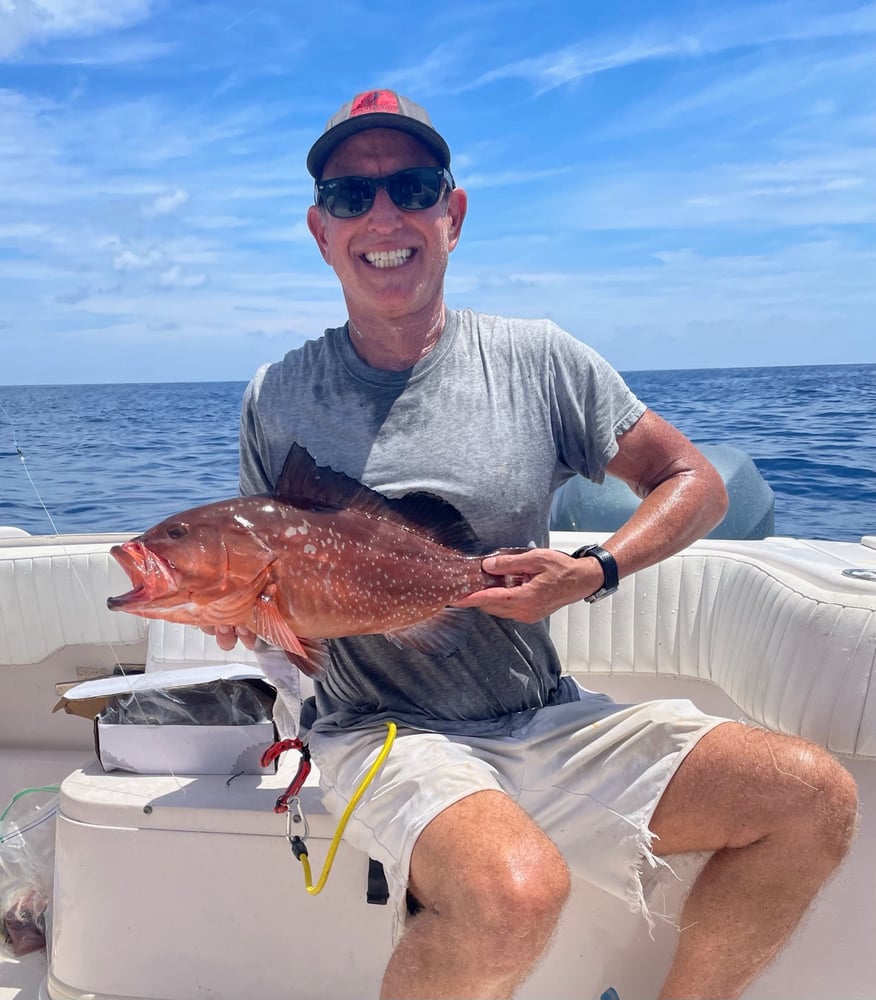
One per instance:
(88, 597)
(20, 454)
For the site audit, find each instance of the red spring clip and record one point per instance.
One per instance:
(270, 756)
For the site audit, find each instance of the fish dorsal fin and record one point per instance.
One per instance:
(438, 518)
(303, 483)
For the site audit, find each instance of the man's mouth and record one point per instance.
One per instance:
(388, 258)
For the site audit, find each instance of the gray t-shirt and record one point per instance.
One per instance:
(494, 420)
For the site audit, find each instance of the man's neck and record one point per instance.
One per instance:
(396, 345)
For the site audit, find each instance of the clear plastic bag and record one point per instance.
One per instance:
(218, 703)
(27, 865)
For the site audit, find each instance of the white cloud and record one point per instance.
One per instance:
(165, 204)
(175, 278)
(127, 260)
(763, 307)
(23, 22)
(569, 64)
(821, 187)
(726, 29)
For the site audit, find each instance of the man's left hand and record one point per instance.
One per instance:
(548, 580)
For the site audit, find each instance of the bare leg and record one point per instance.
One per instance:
(780, 814)
(492, 886)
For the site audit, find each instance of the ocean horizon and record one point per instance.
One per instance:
(624, 372)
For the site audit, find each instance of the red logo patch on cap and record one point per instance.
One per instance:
(375, 100)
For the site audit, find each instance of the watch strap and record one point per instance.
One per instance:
(609, 570)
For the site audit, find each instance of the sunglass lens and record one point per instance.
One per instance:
(347, 197)
(414, 189)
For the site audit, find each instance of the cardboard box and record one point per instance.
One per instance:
(174, 749)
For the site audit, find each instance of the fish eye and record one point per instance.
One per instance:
(177, 531)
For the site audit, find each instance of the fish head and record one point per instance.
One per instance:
(202, 557)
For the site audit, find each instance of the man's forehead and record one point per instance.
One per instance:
(367, 150)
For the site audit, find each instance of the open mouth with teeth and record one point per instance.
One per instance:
(389, 258)
(152, 577)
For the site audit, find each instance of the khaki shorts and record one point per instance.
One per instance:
(590, 773)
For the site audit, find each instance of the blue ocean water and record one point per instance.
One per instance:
(122, 457)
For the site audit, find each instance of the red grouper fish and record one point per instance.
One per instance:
(324, 557)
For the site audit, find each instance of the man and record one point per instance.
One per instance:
(506, 775)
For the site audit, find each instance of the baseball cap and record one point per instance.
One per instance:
(376, 109)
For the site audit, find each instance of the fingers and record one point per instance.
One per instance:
(508, 603)
(247, 637)
(227, 635)
(541, 581)
(516, 564)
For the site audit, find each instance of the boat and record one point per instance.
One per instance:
(182, 886)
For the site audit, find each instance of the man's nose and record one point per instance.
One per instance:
(384, 214)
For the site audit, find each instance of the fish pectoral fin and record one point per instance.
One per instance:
(311, 656)
(315, 660)
(271, 625)
(443, 633)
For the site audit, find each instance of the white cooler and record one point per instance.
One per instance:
(185, 888)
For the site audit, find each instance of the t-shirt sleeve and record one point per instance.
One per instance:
(592, 406)
(254, 477)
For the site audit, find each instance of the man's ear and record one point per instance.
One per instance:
(457, 206)
(316, 225)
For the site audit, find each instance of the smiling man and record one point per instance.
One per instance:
(506, 775)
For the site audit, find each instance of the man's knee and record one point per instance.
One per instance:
(810, 796)
(525, 891)
(833, 808)
(742, 784)
(485, 860)
(512, 895)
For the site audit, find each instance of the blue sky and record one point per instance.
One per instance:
(687, 184)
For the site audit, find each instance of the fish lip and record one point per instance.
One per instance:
(152, 577)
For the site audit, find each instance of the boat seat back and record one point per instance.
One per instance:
(54, 598)
(171, 646)
(794, 657)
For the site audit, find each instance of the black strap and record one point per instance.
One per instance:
(378, 889)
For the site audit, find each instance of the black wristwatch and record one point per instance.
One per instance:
(609, 570)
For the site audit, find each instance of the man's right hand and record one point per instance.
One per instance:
(227, 635)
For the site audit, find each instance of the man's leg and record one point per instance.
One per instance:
(492, 886)
(780, 814)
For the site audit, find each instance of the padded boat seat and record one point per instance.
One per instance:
(55, 596)
(775, 625)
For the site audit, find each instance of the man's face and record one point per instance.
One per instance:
(390, 262)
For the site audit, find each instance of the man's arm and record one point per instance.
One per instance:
(683, 498)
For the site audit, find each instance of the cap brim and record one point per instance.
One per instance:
(326, 144)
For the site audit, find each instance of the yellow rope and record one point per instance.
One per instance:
(339, 832)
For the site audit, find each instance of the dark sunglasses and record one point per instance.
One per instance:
(412, 190)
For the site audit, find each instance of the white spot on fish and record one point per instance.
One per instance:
(309, 549)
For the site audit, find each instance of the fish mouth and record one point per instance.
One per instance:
(152, 577)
